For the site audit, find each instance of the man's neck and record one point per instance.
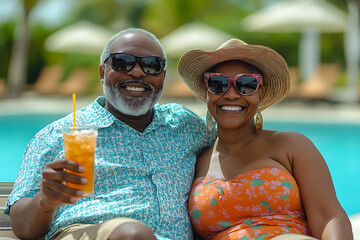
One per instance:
(139, 123)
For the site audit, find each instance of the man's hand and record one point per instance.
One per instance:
(32, 217)
(53, 191)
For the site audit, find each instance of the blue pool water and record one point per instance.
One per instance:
(15, 133)
(338, 143)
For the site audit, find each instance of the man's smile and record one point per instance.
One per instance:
(135, 89)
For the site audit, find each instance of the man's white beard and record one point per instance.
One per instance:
(133, 106)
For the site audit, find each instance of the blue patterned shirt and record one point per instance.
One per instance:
(146, 176)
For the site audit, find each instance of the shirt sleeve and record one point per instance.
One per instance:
(202, 137)
(207, 136)
(45, 147)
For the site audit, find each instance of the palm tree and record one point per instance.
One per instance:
(17, 69)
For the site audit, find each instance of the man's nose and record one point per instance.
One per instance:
(136, 71)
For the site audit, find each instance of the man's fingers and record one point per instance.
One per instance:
(62, 176)
(57, 197)
(64, 163)
(54, 178)
(60, 192)
(62, 170)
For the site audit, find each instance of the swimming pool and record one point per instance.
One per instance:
(15, 133)
(338, 142)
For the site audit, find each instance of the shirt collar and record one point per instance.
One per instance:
(99, 116)
(102, 118)
(159, 118)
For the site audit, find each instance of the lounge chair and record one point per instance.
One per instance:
(5, 225)
(48, 81)
(320, 85)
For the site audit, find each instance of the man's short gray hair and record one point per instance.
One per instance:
(105, 53)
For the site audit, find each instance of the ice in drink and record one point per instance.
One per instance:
(79, 146)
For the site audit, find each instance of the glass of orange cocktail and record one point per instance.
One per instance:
(79, 146)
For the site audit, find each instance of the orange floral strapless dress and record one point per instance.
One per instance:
(259, 204)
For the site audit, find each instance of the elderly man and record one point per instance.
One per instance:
(144, 163)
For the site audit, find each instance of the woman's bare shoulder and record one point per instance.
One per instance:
(288, 142)
(285, 136)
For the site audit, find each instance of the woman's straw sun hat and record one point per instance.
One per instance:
(274, 69)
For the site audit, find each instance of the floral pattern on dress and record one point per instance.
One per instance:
(259, 204)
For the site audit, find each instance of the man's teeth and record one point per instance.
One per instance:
(231, 108)
(135, 89)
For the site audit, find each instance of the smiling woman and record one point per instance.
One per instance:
(255, 182)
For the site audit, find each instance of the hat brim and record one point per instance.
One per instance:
(275, 72)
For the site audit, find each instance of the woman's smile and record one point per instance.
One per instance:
(231, 108)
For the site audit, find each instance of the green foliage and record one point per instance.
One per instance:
(36, 59)
(161, 17)
(36, 56)
(342, 80)
(164, 16)
(29, 4)
(332, 48)
(72, 61)
(340, 3)
(110, 12)
(101, 12)
(6, 41)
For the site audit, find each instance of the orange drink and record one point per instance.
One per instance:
(79, 146)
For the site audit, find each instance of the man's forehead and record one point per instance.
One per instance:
(135, 43)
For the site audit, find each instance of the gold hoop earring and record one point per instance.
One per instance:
(209, 121)
(258, 121)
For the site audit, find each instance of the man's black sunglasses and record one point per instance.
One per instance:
(124, 62)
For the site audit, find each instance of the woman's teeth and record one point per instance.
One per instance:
(135, 89)
(231, 108)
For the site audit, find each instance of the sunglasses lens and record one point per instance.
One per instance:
(123, 62)
(246, 85)
(151, 64)
(218, 84)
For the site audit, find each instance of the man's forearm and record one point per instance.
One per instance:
(29, 220)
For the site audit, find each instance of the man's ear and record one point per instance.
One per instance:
(164, 73)
(101, 73)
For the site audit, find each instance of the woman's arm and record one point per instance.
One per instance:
(325, 216)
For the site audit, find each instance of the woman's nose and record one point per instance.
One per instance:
(231, 93)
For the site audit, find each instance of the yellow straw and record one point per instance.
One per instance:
(74, 108)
